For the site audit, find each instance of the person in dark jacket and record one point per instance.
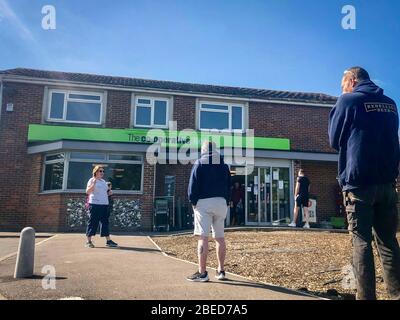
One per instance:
(209, 194)
(302, 199)
(363, 127)
(236, 204)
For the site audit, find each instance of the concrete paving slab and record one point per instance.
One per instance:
(136, 270)
(10, 245)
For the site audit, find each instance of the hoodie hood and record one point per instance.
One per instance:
(368, 87)
(211, 158)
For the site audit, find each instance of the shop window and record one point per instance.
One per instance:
(75, 107)
(53, 172)
(221, 116)
(124, 176)
(125, 171)
(151, 112)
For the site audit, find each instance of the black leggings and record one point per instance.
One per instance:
(98, 214)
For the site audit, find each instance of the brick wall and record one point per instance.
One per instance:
(15, 165)
(324, 186)
(185, 112)
(306, 127)
(182, 175)
(118, 109)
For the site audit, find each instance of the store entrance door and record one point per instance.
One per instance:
(268, 196)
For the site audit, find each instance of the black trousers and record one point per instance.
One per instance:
(98, 214)
(372, 213)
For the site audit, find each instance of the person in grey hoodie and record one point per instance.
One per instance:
(209, 194)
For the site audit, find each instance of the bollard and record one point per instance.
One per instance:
(26, 254)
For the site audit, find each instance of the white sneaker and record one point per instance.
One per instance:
(220, 275)
(291, 224)
(306, 226)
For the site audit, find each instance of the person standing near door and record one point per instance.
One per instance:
(237, 204)
(209, 194)
(301, 195)
(363, 127)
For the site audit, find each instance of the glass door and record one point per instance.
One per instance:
(268, 195)
(252, 197)
(280, 195)
(265, 195)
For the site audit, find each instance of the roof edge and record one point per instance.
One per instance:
(4, 75)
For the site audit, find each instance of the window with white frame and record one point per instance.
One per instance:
(151, 112)
(53, 172)
(221, 116)
(72, 170)
(75, 106)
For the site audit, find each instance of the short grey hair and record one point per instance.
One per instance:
(358, 73)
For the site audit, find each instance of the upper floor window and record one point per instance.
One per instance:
(151, 112)
(221, 116)
(74, 106)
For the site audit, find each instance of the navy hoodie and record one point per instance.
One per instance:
(363, 127)
(210, 177)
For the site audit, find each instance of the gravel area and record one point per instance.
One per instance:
(317, 262)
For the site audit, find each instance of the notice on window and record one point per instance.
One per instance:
(267, 178)
(280, 184)
(275, 175)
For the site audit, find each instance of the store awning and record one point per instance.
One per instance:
(53, 138)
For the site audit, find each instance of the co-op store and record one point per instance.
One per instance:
(55, 126)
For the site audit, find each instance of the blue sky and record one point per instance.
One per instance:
(274, 44)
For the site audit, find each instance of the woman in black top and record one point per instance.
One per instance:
(301, 195)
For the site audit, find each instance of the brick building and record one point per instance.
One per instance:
(55, 126)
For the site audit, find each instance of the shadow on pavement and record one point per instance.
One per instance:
(258, 285)
(131, 249)
(34, 277)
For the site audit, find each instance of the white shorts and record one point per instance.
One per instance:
(209, 214)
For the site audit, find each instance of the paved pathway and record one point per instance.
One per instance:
(136, 270)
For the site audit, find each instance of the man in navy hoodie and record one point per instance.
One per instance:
(209, 193)
(363, 127)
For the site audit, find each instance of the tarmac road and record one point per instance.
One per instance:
(136, 270)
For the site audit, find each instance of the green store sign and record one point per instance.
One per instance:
(167, 138)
